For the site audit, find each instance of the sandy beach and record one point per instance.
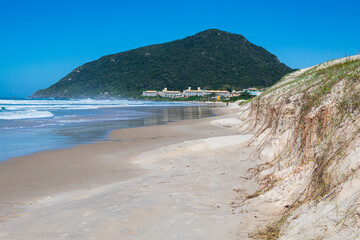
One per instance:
(182, 180)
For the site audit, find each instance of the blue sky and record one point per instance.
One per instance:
(42, 41)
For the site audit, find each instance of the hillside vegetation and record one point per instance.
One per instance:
(211, 59)
(307, 126)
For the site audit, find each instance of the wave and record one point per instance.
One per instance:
(12, 109)
(28, 114)
(82, 104)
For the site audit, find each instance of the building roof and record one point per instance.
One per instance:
(171, 91)
(150, 91)
(216, 91)
(187, 90)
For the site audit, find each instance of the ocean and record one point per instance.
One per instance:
(31, 125)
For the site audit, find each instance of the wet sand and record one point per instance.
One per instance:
(171, 181)
(87, 165)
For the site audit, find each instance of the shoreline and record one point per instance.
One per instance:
(176, 180)
(46, 164)
(63, 131)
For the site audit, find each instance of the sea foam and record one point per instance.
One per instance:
(12, 115)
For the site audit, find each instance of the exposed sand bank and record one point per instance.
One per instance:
(183, 180)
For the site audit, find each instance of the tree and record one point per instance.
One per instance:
(226, 87)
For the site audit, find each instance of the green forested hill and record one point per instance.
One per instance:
(210, 59)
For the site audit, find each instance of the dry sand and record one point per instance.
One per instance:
(182, 180)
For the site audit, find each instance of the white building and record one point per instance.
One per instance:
(235, 93)
(150, 93)
(186, 93)
(190, 93)
(170, 94)
(217, 93)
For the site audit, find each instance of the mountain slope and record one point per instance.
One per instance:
(210, 59)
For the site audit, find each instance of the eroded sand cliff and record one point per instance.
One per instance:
(307, 127)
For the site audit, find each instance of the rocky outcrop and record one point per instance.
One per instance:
(307, 126)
